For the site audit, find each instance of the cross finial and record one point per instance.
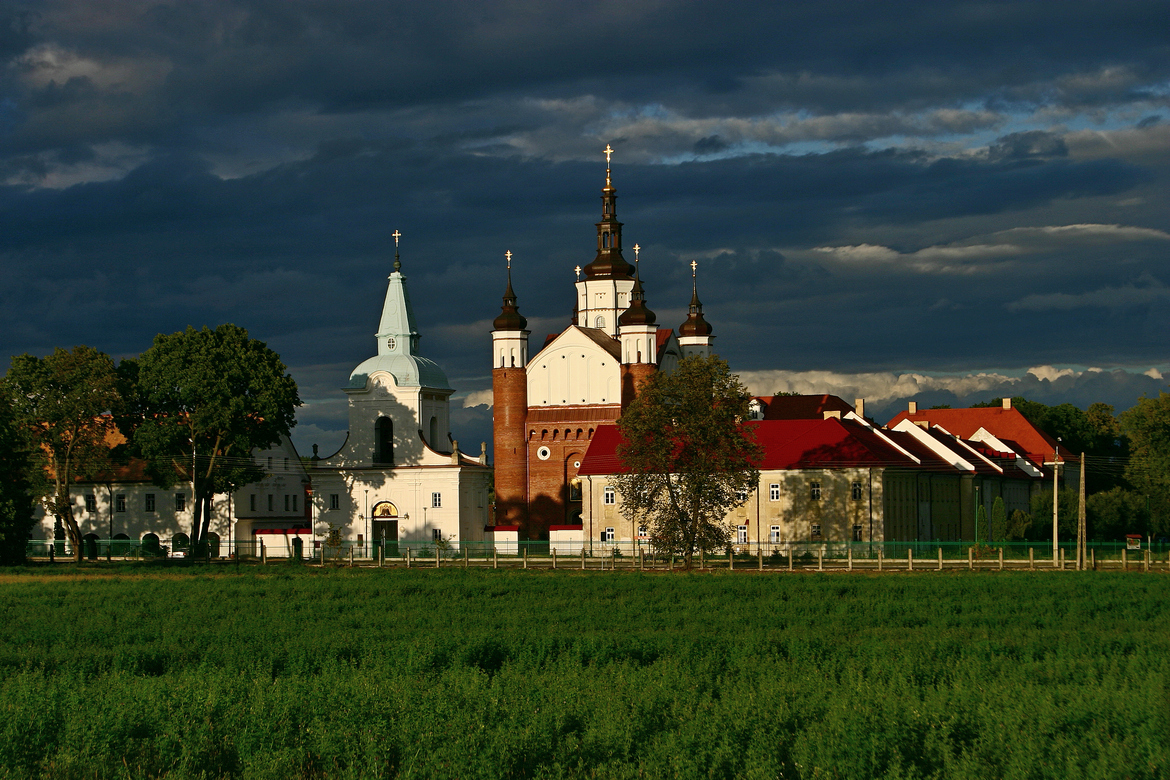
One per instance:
(636, 250)
(397, 262)
(577, 270)
(397, 236)
(608, 152)
(694, 265)
(508, 255)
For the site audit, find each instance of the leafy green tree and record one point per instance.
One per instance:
(64, 403)
(204, 400)
(1114, 513)
(998, 520)
(1147, 427)
(1041, 506)
(18, 476)
(1020, 523)
(689, 455)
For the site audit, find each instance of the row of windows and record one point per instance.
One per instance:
(270, 464)
(335, 501)
(148, 502)
(291, 502)
(814, 493)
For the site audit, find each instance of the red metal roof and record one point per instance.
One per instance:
(802, 407)
(787, 444)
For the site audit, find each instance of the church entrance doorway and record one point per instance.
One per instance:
(384, 519)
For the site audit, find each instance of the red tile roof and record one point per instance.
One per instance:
(1007, 425)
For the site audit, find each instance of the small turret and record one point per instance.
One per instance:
(694, 335)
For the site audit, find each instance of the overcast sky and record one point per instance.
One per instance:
(941, 201)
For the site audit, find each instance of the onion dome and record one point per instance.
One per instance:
(510, 317)
(637, 314)
(609, 263)
(695, 324)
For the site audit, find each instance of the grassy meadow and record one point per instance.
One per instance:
(294, 672)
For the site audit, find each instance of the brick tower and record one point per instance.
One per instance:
(639, 337)
(510, 408)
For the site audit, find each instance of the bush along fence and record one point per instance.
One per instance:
(609, 556)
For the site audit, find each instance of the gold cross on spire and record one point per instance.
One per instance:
(397, 262)
(508, 255)
(577, 270)
(636, 250)
(608, 152)
(397, 236)
(694, 265)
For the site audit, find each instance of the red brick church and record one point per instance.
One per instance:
(548, 405)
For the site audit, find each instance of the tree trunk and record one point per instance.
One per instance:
(196, 516)
(64, 513)
(208, 501)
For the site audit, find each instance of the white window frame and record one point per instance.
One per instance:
(608, 535)
(436, 500)
(148, 503)
(774, 534)
(815, 532)
(741, 534)
(814, 490)
(857, 490)
(609, 496)
(774, 491)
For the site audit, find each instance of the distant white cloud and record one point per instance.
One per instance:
(875, 387)
(981, 253)
(478, 398)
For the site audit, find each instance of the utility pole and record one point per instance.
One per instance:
(1055, 503)
(1081, 526)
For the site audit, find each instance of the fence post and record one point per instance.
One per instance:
(730, 559)
(1031, 560)
(525, 556)
(1146, 561)
(582, 556)
(970, 559)
(408, 557)
(909, 559)
(821, 558)
(1124, 560)
(759, 557)
(641, 559)
(495, 557)
(1001, 559)
(554, 557)
(263, 554)
(1062, 559)
(789, 557)
(940, 559)
(702, 559)
(881, 555)
(672, 560)
(465, 557)
(1093, 558)
(850, 557)
(322, 553)
(436, 556)
(351, 557)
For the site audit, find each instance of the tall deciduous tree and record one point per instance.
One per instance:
(688, 454)
(206, 399)
(18, 475)
(1147, 426)
(63, 402)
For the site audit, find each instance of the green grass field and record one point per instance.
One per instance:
(286, 672)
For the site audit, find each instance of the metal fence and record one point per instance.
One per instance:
(591, 554)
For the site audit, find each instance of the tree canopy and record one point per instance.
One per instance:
(18, 478)
(63, 402)
(689, 455)
(1147, 427)
(204, 400)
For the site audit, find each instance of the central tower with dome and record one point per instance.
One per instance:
(547, 405)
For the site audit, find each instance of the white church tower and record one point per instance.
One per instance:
(400, 475)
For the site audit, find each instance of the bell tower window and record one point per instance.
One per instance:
(384, 442)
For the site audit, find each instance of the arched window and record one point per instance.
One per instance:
(384, 442)
(599, 323)
(434, 430)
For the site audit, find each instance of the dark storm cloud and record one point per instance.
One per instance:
(866, 187)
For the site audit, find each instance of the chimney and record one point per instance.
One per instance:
(834, 415)
(859, 407)
(913, 407)
(1007, 403)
